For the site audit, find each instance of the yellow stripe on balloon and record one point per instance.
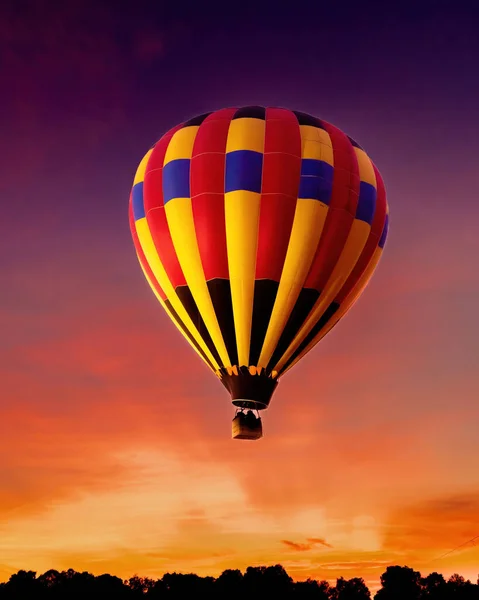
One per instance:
(366, 169)
(347, 304)
(179, 214)
(316, 144)
(149, 250)
(140, 172)
(349, 256)
(242, 210)
(181, 144)
(246, 134)
(308, 224)
(168, 312)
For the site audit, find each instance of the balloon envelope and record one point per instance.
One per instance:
(257, 229)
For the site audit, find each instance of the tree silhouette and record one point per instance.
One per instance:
(22, 585)
(180, 585)
(229, 584)
(397, 583)
(434, 587)
(352, 589)
(259, 581)
(140, 586)
(460, 588)
(312, 590)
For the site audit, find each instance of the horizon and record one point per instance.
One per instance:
(115, 439)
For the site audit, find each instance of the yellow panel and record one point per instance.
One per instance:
(181, 144)
(366, 170)
(349, 256)
(347, 304)
(140, 172)
(316, 144)
(149, 250)
(242, 222)
(246, 134)
(179, 214)
(308, 224)
(162, 302)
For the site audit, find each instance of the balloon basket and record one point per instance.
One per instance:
(246, 426)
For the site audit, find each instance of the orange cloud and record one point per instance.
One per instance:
(435, 525)
(302, 547)
(319, 541)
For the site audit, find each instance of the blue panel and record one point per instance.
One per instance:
(176, 179)
(137, 201)
(316, 188)
(316, 168)
(316, 180)
(384, 235)
(243, 171)
(366, 203)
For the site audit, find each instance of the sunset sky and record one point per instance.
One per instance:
(115, 439)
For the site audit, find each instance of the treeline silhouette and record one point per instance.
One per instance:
(397, 583)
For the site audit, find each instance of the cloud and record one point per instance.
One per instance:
(434, 525)
(357, 565)
(319, 541)
(303, 547)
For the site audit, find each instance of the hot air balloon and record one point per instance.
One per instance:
(257, 230)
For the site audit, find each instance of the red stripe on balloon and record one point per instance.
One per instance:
(207, 176)
(279, 192)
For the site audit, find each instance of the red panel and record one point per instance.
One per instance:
(130, 211)
(281, 175)
(283, 130)
(212, 134)
(342, 209)
(209, 217)
(381, 205)
(346, 178)
(142, 257)
(207, 173)
(207, 192)
(155, 212)
(153, 190)
(275, 222)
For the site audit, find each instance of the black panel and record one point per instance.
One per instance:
(175, 316)
(328, 313)
(196, 120)
(252, 112)
(220, 292)
(256, 390)
(305, 119)
(265, 291)
(188, 302)
(305, 302)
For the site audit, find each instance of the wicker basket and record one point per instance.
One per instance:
(241, 431)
